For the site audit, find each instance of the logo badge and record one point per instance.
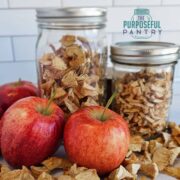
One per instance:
(141, 25)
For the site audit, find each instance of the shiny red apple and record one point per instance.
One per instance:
(0, 133)
(32, 130)
(96, 141)
(11, 92)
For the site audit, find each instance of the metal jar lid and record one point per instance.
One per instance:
(71, 18)
(144, 52)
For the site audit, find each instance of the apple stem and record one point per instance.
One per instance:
(18, 83)
(108, 104)
(19, 80)
(46, 109)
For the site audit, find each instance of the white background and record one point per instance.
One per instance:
(18, 32)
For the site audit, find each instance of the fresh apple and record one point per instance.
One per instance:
(11, 92)
(1, 111)
(96, 137)
(0, 134)
(32, 130)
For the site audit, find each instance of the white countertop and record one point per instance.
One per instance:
(61, 153)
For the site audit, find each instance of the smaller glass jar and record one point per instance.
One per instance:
(71, 56)
(142, 76)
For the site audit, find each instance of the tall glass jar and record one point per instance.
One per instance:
(71, 56)
(142, 76)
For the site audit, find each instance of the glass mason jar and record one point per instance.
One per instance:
(71, 56)
(142, 76)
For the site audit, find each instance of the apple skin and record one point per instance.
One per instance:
(11, 92)
(0, 133)
(92, 143)
(28, 137)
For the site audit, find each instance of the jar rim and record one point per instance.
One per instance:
(72, 17)
(144, 52)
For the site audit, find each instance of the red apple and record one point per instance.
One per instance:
(94, 141)
(32, 130)
(0, 134)
(11, 92)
